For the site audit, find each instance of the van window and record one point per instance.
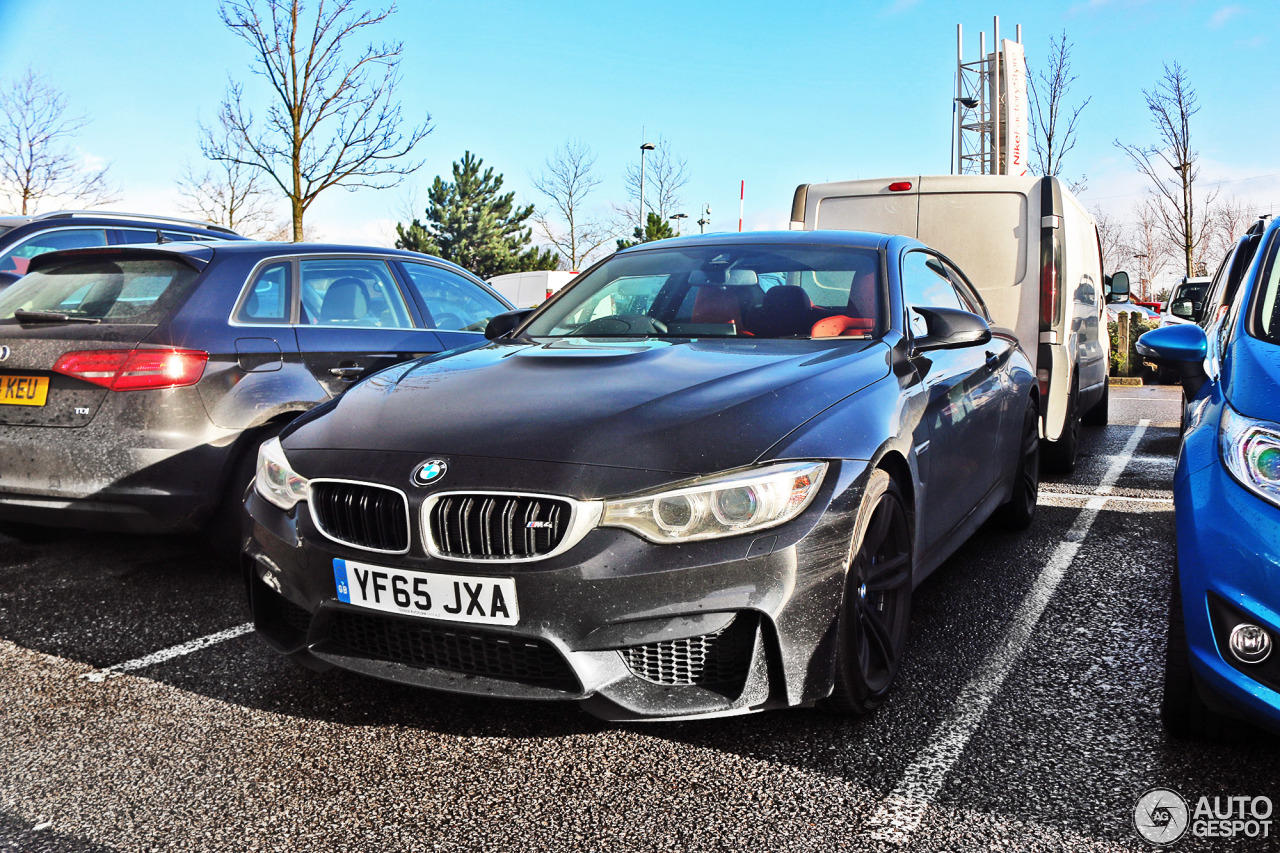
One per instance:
(997, 260)
(885, 214)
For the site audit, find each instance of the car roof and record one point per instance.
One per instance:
(851, 239)
(118, 219)
(203, 252)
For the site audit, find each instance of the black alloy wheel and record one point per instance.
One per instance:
(877, 602)
(1020, 510)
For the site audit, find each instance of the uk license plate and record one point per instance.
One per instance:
(456, 598)
(23, 390)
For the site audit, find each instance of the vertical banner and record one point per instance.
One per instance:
(1015, 140)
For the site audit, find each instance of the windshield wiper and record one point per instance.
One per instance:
(50, 317)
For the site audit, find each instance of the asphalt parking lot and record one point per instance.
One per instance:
(139, 714)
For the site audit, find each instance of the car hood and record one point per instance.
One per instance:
(687, 407)
(1252, 378)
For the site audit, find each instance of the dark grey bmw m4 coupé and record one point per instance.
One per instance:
(703, 479)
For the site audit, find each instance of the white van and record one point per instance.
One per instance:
(530, 289)
(1029, 248)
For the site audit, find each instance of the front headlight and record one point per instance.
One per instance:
(720, 505)
(275, 480)
(1251, 449)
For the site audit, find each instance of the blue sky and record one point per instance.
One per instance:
(773, 94)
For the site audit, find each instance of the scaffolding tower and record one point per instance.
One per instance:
(978, 109)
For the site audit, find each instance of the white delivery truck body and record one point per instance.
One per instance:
(1029, 248)
(530, 289)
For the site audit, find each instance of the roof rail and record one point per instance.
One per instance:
(111, 214)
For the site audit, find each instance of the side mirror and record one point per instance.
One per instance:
(1183, 308)
(504, 323)
(1118, 287)
(1182, 347)
(951, 328)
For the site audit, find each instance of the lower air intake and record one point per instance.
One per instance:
(469, 652)
(708, 660)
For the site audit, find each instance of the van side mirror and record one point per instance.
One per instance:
(504, 323)
(1183, 308)
(1118, 287)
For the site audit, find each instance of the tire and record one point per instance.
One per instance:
(1020, 510)
(875, 614)
(1060, 456)
(1182, 710)
(225, 529)
(1097, 416)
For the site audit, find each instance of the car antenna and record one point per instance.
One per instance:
(160, 238)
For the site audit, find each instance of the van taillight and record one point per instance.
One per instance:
(135, 370)
(549, 292)
(899, 186)
(1050, 273)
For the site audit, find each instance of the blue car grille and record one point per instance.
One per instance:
(498, 526)
(362, 514)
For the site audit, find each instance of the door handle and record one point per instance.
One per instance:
(346, 372)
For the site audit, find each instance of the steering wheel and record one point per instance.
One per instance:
(447, 321)
(622, 324)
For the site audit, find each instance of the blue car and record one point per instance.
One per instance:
(1222, 663)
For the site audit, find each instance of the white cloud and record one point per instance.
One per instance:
(1226, 13)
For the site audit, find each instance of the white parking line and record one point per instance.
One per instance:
(900, 815)
(170, 653)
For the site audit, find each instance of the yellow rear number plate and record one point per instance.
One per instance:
(23, 390)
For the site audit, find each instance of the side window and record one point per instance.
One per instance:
(17, 258)
(268, 299)
(450, 301)
(968, 296)
(925, 284)
(137, 236)
(353, 292)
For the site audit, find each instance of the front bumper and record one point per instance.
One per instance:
(1229, 568)
(630, 629)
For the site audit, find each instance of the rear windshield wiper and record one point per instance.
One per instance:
(50, 317)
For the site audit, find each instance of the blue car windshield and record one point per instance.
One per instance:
(754, 291)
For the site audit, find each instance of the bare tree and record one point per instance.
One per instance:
(37, 157)
(1228, 219)
(1184, 221)
(1053, 126)
(228, 193)
(566, 181)
(1148, 246)
(1111, 235)
(665, 175)
(331, 122)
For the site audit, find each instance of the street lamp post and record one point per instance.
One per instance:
(705, 220)
(677, 217)
(644, 146)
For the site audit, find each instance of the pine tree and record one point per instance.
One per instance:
(655, 228)
(472, 223)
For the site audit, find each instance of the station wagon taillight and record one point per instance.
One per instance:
(135, 370)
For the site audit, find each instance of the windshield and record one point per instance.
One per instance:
(121, 291)
(758, 290)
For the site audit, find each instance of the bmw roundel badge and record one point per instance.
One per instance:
(430, 472)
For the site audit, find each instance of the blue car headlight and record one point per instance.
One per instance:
(719, 505)
(1251, 450)
(275, 480)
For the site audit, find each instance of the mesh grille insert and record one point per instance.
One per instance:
(498, 526)
(466, 651)
(361, 514)
(714, 659)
